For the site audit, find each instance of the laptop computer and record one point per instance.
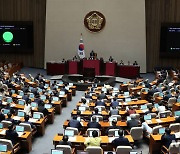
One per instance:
(21, 102)
(156, 105)
(1, 125)
(36, 116)
(126, 93)
(55, 99)
(47, 106)
(21, 114)
(112, 118)
(177, 113)
(69, 133)
(127, 99)
(43, 97)
(6, 111)
(163, 115)
(147, 117)
(34, 104)
(56, 151)
(19, 128)
(143, 107)
(3, 148)
(9, 100)
(161, 130)
(82, 108)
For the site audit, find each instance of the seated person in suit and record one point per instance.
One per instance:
(111, 59)
(114, 126)
(65, 141)
(83, 100)
(42, 109)
(114, 111)
(75, 123)
(87, 95)
(96, 112)
(93, 124)
(64, 89)
(121, 140)
(131, 110)
(146, 129)
(11, 134)
(26, 120)
(92, 54)
(161, 107)
(135, 63)
(102, 95)
(93, 141)
(133, 122)
(2, 116)
(9, 118)
(100, 103)
(115, 103)
(167, 138)
(121, 63)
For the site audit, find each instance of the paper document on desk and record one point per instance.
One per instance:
(82, 123)
(144, 110)
(61, 95)
(177, 135)
(12, 105)
(72, 139)
(20, 133)
(111, 139)
(31, 82)
(32, 120)
(16, 118)
(4, 103)
(18, 96)
(159, 120)
(148, 121)
(3, 132)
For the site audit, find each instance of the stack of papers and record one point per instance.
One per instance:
(159, 120)
(32, 120)
(72, 139)
(148, 121)
(20, 133)
(3, 132)
(16, 118)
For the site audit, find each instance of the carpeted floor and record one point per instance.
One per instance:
(44, 144)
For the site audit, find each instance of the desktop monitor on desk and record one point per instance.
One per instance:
(3, 148)
(69, 133)
(19, 128)
(56, 151)
(161, 130)
(21, 114)
(147, 117)
(177, 113)
(90, 133)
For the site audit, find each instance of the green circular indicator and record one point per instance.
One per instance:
(7, 37)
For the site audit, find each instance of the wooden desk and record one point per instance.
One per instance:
(80, 140)
(73, 88)
(58, 106)
(64, 100)
(25, 140)
(155, 144)
(164, 121)
(175, 107)
(69, 95)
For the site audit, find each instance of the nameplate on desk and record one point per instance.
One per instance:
(3, 132)
(17, 118)
(20, 133)
(32, 120)
(111, 139)
(72, 139)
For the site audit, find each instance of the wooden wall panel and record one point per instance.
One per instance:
(157, 12)
(26, 10)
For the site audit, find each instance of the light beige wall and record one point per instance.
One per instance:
(123, 36)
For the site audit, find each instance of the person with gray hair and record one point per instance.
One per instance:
(133, 122)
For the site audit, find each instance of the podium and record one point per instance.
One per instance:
(92, 63)
(110, 68)
(72, 67)
(55, 68)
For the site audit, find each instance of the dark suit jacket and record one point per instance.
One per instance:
(75, 124)
(93, 125)
(43, 110)
(132, 123)
(167, 139)
(102, 96)
(11, 135)
(121, 141)
(100, 103)
(115, 103)
(65, 143)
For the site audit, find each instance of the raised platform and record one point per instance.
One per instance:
(83, 83)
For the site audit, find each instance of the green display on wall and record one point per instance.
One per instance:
(7, 37)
